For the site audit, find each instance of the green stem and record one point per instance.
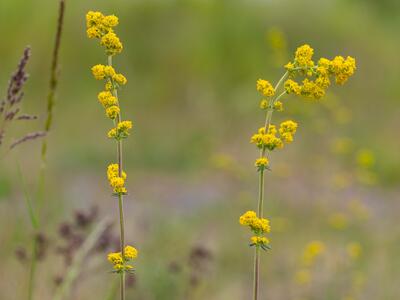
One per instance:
(122, 241)
(268, 117)
(32, 272)
(120, 197)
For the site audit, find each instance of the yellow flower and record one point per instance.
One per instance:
(117, 182)
(247, 218)
(112, 43)
(289, 67)
(120, 79)
(292, 87)
(124, 126)
(108, 86)
(259, 240)
(343, 68)
(93, 18)
(261, 163)
(267, 140)
(121, 131)
(93, 32)
(264, 104)
(278, 106)
(113, 171)
(112, 112)
(130, 252)
(288, 126)
(118, 267)
(110, 21)
(115, 258)
(311, 90)
(303, 56)
(107, 99)
(265, 88)
(98, 72)
(109, 71)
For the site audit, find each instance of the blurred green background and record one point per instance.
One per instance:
(191, 67)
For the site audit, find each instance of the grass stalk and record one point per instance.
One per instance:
(54, 76)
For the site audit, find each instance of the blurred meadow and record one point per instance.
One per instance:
(192, 67)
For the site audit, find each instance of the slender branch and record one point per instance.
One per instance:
(120, 196)
(261, 187)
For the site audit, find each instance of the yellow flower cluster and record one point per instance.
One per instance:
(259, 226)
(121, 131)
(261, 163)
(269, 140)
(287, 130)
(265, 88)
(121, 263)
(116, 180)
(101, 72)
(101, 27)
(317, 81)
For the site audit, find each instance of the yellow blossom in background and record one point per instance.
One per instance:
(342, 145)
(358, 210)
(365, 158)
(312, 251)
(303, 277)
(265, 88)
(338, 221)
(354, 250)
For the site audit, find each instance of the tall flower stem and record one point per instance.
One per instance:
(261, 186)
(120, 196)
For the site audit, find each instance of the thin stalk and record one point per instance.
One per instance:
(35, 225)
(32, 271)
(120, 198)
(268, 117)
(54, 74)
